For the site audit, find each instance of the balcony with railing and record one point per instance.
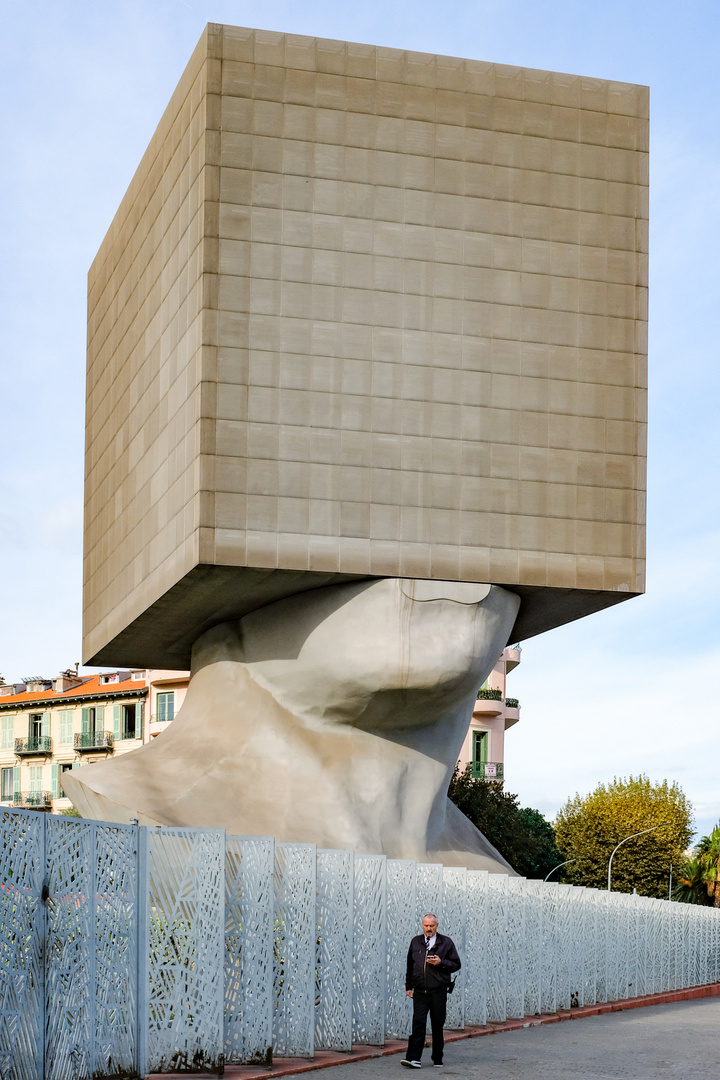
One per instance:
(489, 702)
(87, 741)
(488, 770)
(33, 745)
(33, 800)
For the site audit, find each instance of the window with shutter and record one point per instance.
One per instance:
(480, 747)
(55, 783)
(66, 728)
(7, 733)
(16, 781)
(117, 722)
(6, 784)
(35, 778)
(138, 719)
(166, 706)
(45, 725)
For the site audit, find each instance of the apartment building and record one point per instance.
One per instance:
(48, 726)
(493, 714)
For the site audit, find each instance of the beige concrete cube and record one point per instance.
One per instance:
(366, 312)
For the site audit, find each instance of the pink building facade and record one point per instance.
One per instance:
(493, 714)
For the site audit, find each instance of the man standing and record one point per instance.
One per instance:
(431, 959)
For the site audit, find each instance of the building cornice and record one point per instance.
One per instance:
(82, 699)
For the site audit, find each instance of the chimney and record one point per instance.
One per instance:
(66, 679)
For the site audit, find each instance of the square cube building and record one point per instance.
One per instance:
(367, 312)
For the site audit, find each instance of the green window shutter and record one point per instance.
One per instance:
(166, 706)
(86, 721)
(99, 718)
(66, 728)
(35, 777)
(55, 784)
(8, 733)
(480, 747)
(117, 722)
(75, 765)
(45, 725)
(138, 719)
(16, 780)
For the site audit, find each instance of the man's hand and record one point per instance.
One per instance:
(409, 993)
(434, 960)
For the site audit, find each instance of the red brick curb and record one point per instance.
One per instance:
(325, 1058)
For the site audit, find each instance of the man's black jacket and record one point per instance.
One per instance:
(423, 976)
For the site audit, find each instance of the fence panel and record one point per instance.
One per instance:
(626, 970)
(70, 950)
(369, 950)
(249, 907)
(565, 929)
(533, 946)
(454, 919)
(549, 948)
(181, 980)
(475, 959)
(22, 923)
(602, 946)
(401, 926)
(116, 949)
(295, 940)
(577, 946)
(515, 986)
(655, 941)
(632, 945)
(497, 951)
(334, 953)
(644, 962)
(591, 948)
(429, 894)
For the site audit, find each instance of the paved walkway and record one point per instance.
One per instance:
(659, 1042)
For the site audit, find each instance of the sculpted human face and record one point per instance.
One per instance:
(386, 655)
(429, 926)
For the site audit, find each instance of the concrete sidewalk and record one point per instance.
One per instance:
(659, 1042)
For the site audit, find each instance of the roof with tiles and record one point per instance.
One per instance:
(88, 686)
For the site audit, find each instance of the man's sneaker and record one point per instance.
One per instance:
(437, 1065)
(411, 1064)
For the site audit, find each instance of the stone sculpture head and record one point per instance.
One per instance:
(334, 716)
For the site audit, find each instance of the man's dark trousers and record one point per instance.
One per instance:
(424, 1002)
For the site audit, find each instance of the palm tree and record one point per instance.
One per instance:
(690, 887)
(708, 854)
(699, 879)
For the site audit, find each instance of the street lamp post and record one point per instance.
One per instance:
(624, 840)
(558, 867)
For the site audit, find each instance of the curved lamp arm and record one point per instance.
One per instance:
(558, 867)
(642, 831)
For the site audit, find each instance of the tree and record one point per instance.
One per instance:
(690, 884)
(521, 835)
(589, 827)
(708, 852)
(699, 875)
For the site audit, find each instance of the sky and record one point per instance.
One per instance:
(631, 690)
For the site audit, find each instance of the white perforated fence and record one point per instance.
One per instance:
(127, 951)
